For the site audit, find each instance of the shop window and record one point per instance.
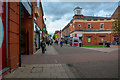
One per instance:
(102, 39)
(89, 39)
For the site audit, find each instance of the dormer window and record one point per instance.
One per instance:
(102, 26)
(77, 11)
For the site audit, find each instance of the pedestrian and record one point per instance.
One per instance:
(43, 45)
(61, 43)
(48, 42)
(57, 42)
(108, 44)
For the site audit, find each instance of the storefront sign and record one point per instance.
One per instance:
(89, 39)
(44, 28)
(1, 32)
(79, 35)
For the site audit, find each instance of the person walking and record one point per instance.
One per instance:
(61, 43)
(48, 42)
(43, 45)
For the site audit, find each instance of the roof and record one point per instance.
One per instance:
(67, 25)
(116, 14)
(77, 8)
(56, 32)
(93, 17)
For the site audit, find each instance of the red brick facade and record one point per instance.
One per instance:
(93, 29)
(27, 31)
(13, 35)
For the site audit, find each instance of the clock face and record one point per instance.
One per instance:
(1, 32)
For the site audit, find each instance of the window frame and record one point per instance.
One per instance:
(101, 24)
(90, 26)
(89, 41)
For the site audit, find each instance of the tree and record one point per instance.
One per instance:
(53, 37)
(116, 27)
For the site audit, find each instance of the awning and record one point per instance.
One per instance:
(66, 37)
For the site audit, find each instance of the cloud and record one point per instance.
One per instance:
(57, 24)
(58, 14)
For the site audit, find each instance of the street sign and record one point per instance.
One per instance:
(44, 28)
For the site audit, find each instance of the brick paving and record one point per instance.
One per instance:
(53, 64)
(49, 69)
(39, 71)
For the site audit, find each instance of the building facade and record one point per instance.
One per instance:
(90, 30)
(21, 26)
(57, 35)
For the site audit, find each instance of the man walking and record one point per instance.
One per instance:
(43, 45)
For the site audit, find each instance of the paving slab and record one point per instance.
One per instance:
(39, 71)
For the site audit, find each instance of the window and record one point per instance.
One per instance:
(89, 26)
(89, 39)
(101, 26)
(102, 39)
(79, 25)
(73, 26)
(37, 3)
(115, 24)
(78, 12)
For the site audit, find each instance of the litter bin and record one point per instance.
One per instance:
(108, 45)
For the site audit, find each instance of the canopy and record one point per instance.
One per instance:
(66, 37)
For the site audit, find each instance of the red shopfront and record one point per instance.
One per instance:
(3, 62)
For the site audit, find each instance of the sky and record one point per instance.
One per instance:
(59, 14)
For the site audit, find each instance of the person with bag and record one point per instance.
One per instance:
(43, 45)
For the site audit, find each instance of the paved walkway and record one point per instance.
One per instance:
(39, 71)
(42, 70)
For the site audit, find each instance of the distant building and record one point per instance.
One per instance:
(90, 29)
(57, 35)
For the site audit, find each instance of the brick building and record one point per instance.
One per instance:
(66, 30)
(15, 18)
(57, 35)
(91, 30)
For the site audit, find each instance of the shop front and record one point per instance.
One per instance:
(3, 46)
(37, 37)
